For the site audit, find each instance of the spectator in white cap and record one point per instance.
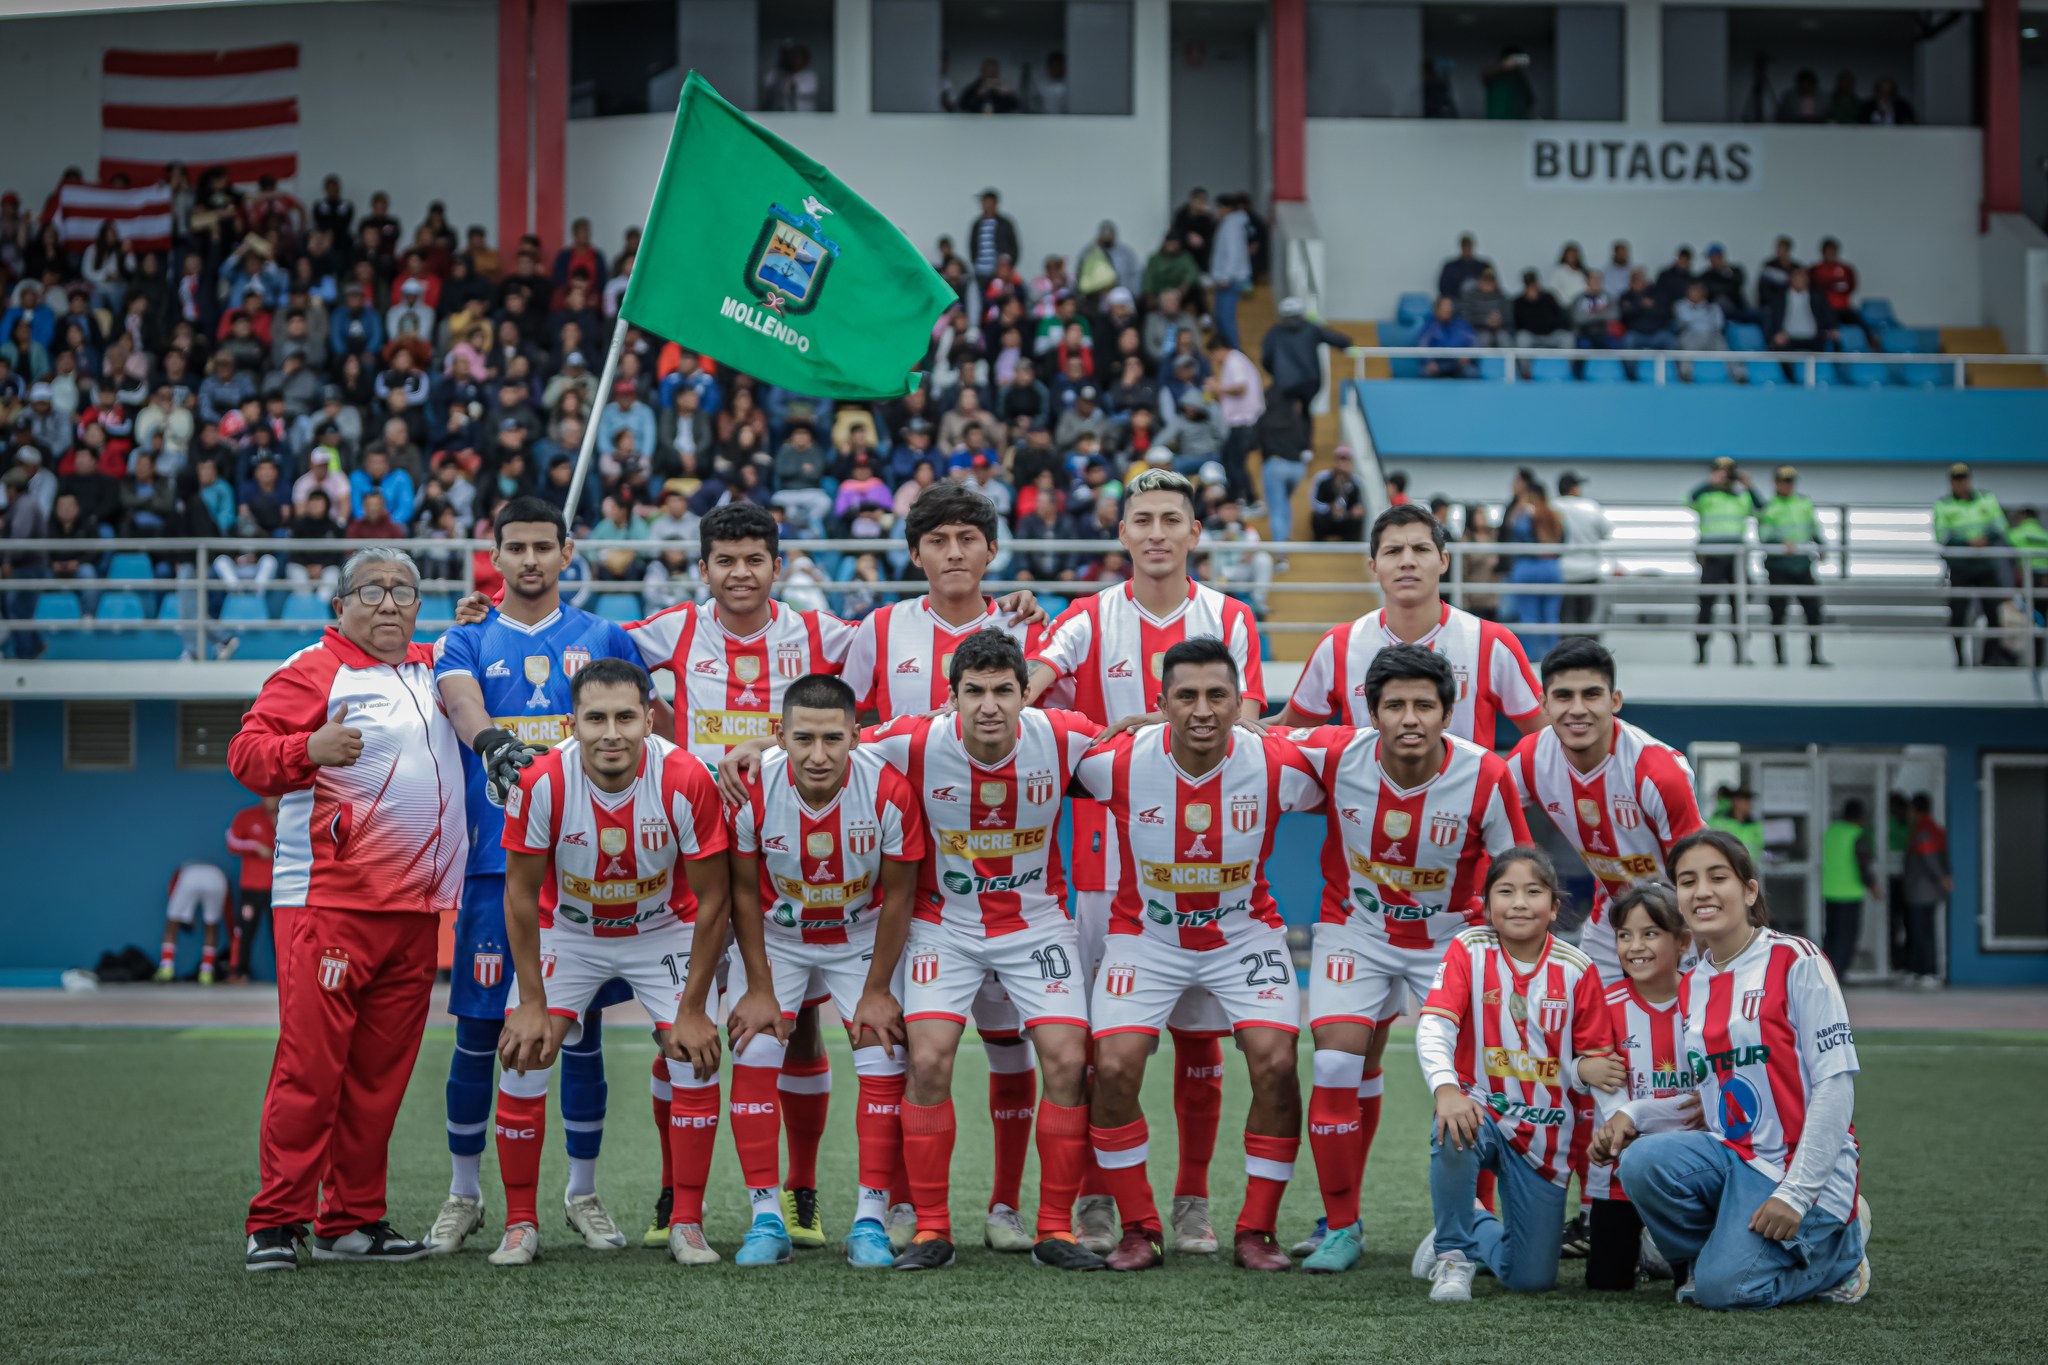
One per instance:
(49, 428)
(413, 306)
(573, 376)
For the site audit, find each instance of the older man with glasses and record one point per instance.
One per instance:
(371, 844)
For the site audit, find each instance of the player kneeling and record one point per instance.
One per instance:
(593, 836)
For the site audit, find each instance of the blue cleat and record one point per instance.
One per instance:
(767, 1242)
(867, 1246)
(1339, 1251)
(1307, 1245)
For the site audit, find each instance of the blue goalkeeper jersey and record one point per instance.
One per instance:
(524, 672)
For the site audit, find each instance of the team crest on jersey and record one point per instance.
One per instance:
(1589, 812)
(1397, 824)
(1244, 813)
(994, 793)
(1464, 677)
(924, 968)
(333, 969)
(487, 968)
(1196, 816)
(789, 660)
(1445, 829)
(1341, 965)
(818, 843)
(1550, 1013)
(654, 835)
(747, 669)
(1120, 979)
(1627, 813)
(574, 660)
(1038, 788)
(1752, 1004)
(547, 966)
(861, 839)
(612, 841)
(515, 801)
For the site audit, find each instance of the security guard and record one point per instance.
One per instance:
(1968, 519)
(1787, 523)
(1724, 505)
(2028, 533)
(1737, 816)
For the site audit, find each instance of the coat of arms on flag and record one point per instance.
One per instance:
(789, 263)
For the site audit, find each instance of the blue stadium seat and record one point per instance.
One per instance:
(57, 606)
(1906, 341)
(1414, 309)
(1745, 336)
(1863, 376)
(619, 606)
(1878, 314)
(1492, 367)
(1401, 334)
(1550, 370)
(1851, 338)
(129, 644)
(1710, 372)
(122, 606)
(1052, 604)
(130, 564)
(437, 607)
(304, 606)
(243, 606)
(1605, 370)
(275, 644)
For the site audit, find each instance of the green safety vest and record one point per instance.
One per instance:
(2032, 535)
(1788, 518)
(1723, 512)
(1751, 832)
(1959, 520)
(1840, 877)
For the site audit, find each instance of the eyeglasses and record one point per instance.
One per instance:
(373, 594)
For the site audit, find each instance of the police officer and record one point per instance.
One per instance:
(1788, 525)
(1736, 815)
(1963, 520)
(1724, 505)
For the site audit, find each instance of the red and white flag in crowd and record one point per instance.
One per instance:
(141, 214)
(238, 109)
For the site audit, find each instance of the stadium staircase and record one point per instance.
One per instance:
(1990, 341)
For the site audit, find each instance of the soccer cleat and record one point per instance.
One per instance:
(1851, 1290)
(1340, 1250)
(656, 1235)
(901, 1222)
(519, 1246)
(1139, 1250)
(589, 1219)
(1423, 1263)
(1307, 1245)
(1095, 1223)
(1060, 1254)
(206, 976)
(1004, 1231)
(1192, 1231)
(929, 1253)
(459, 1216)
(1863, 1219)
(867, 1246)
(1450, 1280)
(687, 1245)
(1576, 1241)
(272, 1249)
(766, 1243)
(377, 1241)
(1254, 1250)
(800, 1216)
(163, 973)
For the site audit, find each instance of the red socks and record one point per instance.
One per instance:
(1197, 1109)
(928, 1133)
(522, 1131)
(1062, 1156)
(1011, 1096)
(1268, 1166)
(1121, 1153)
(662, 1098)
(1334, 1124)
(806, 1101)
(878, 1123)
(756, 1125)
(692, 1135)
(1485, 1189)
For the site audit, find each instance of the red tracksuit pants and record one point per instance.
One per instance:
(352, 993)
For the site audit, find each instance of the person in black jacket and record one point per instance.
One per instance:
(990, 235)
(1726, 285)
(1289, 354)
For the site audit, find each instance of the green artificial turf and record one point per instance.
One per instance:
(127, 1158)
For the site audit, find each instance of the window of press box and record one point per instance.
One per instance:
(972, 57)
(766, 56)
(1503, 62)
(1877, 67)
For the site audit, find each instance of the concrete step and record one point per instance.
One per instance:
(1990, 341)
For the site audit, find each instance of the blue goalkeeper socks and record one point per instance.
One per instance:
(583, 1099)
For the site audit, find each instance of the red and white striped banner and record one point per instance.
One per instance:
(236, 109)
(141, 214)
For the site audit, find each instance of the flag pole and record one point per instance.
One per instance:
(604, 393)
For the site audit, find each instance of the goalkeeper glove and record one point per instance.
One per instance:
(503, 757)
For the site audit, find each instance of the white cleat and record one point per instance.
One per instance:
(1005, 1231)
(687, 1245)
(1423, 1263)
(1650, 1261)
(1192, 1231)
(1095, 1225)
(521, 1246)
(1451, 1279)
(588, 1219)
(459, 1217)
(1852, 1289)
(901, 1224)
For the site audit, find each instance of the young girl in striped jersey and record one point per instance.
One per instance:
(1649, 1038)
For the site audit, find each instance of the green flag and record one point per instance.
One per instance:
(759, 257)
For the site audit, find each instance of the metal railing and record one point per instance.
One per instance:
(1509, 364)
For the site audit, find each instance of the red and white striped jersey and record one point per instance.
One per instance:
(1407, 865)
(1624, 816)
(612, 857)
(902, 655)
(729, 688)
(1518, 1033)
(1649, 1040)
(821, 871)
(994, 865)
(1486, 659)
(1759, 1033)
(1192, 850)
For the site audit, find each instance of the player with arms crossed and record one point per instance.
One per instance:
(1414, 815)
(615, 844)
(1111, 648)
(1195, 803)
(825, 852)
(900, 664)
(505, 682)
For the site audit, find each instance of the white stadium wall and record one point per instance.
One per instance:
(398, 97)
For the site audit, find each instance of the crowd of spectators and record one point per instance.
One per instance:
(1804, 102)
(300, 371)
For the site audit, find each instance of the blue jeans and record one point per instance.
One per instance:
(1534, 1209)
(1696, 1197)
(1534, 609)
(1225, 311)
(1281, 476)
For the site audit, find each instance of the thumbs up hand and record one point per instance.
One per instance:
(335, 745)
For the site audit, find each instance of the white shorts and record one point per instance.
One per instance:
(574, 964)
(1143, 978)
(198, 889)
(1197, 1011)
(1356, 977)
(1038, 971)
(841, 969)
